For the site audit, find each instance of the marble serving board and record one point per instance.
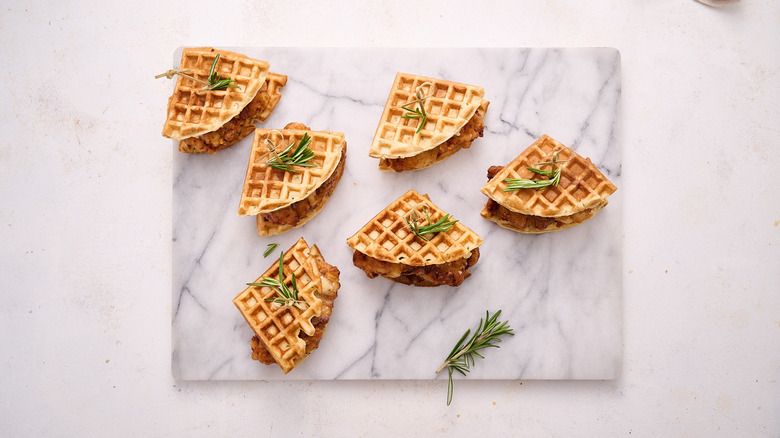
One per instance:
(561, 292)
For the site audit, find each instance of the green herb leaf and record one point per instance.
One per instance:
(462, 357)
(540, 171)
(553, 176)
(417, 113)
(217, 82)
(287, 296)
(289, 157)
(270, 249)
(442, 224)
(521, 183)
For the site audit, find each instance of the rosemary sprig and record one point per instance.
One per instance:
(553, 176)
(287, 296)
(461, 358)
(271, 247)
(521, 183)
(217, 82)
(417, 113)
(290, 157)
(442, 224)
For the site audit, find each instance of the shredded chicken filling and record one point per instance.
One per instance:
(450, 273)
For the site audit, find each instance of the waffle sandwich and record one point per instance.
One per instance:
(523, 195)
(426, 120)
(283, 199)
(206, 120)
(388, 246)
(288, 330)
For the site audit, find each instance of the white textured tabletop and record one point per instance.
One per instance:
(86, 214)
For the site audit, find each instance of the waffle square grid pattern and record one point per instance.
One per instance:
(387, 236)
(449, 106)
(193, 112)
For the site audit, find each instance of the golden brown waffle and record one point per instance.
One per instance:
(582, 186)
(267, 189)
(241, 125)
(388, 238)
(279, 328)
(192, 112)
(273, 84)
(463, 139)
(449, 107)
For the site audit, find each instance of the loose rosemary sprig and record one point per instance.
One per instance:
(553, 176)
(286, 296)
(461, 358)
(217, 82)
(271, 247)
(417, 113)
(442, 224)
(288, 158)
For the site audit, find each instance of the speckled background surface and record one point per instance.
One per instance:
(86, 216)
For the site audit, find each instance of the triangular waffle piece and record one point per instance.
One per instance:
(268, 190)
(289, 334)
(387, 239)
(582, 191)
(449, 107)
(192, 112)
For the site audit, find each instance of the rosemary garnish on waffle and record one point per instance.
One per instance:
(461, 359)
(442, 224)
(217, 82)
(420, 113)
(287, 296)
(553, 176)
(289, 157)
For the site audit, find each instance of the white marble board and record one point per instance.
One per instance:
(561, 292)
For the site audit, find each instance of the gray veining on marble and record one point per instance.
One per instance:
(561, 292)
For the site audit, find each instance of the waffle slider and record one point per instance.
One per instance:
(389, 244)
(209, 120)
(287, 196)
(426, 120)
(288, 329)
(524, 195)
